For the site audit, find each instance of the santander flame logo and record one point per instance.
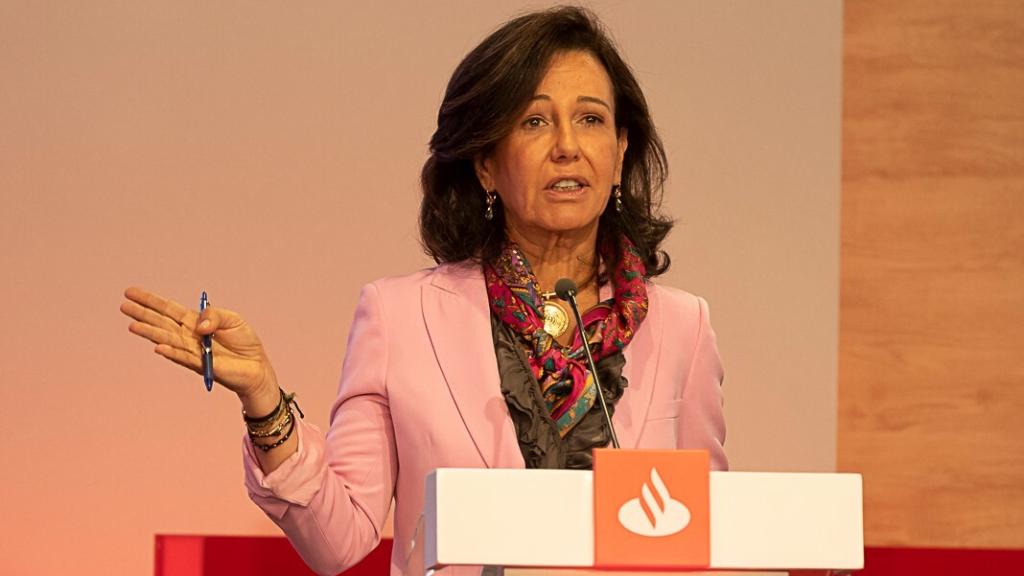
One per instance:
(654, 513)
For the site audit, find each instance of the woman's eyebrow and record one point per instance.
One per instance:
(592, 99)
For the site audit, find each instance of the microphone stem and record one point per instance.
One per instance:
(593, 369)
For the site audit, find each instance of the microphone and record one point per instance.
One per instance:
(566, 290)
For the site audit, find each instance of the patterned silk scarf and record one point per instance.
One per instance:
(565, 380)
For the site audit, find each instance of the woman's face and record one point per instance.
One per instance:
(555, 170)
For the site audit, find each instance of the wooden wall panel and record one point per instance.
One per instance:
(931, 363)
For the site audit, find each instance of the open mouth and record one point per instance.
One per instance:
(568, 185)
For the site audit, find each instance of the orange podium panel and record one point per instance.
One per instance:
(651, 509)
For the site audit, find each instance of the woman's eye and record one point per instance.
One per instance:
(533, 122)
(593, 119)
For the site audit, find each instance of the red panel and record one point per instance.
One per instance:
(248, 556)
(179, 556)
(274, 556)
(941, 562)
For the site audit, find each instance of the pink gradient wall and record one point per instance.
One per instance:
(269, 153)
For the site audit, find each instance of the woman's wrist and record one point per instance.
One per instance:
(261, 402)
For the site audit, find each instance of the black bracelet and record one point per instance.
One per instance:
(276, 431)
(269, 417)
(282, 440)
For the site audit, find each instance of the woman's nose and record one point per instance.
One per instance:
(566, 146)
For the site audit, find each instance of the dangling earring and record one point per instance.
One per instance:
(617, 190)
(489, 213)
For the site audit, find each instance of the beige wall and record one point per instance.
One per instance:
(269, 153)
(932, 310)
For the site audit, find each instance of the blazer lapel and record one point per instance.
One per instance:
(641, 370)
(458, 320)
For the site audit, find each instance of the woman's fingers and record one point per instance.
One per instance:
(162, 306)
(181, 357)
(159, 336)
(147, 316)
(162, 322)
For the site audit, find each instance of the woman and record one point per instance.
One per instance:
(545, 165)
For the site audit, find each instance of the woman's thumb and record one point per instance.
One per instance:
(211, 320)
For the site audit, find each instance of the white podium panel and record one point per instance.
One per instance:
(786, 520)
(759, 520)
(501, 517)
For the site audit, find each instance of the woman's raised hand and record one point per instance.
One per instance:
(239, 361)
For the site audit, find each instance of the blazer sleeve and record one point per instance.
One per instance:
(701, 421)
(332, 496)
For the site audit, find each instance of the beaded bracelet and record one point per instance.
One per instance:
(282, 440)
(272, 424)
(275, 431)
(273, 427)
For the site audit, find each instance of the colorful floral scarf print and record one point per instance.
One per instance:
(565, 380)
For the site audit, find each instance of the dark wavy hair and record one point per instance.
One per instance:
(489, 90)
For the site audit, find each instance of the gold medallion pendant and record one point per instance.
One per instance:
(556, 319)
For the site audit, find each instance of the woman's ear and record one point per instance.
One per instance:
(623, 143)
(482, 166)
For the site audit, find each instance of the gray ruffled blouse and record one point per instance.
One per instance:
(537, 433)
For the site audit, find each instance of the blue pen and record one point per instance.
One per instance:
(204, 303)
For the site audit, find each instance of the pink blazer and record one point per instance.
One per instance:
(420, 390)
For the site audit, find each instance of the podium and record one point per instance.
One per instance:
(532, 519)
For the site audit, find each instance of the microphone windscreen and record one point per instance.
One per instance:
(565, 288)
